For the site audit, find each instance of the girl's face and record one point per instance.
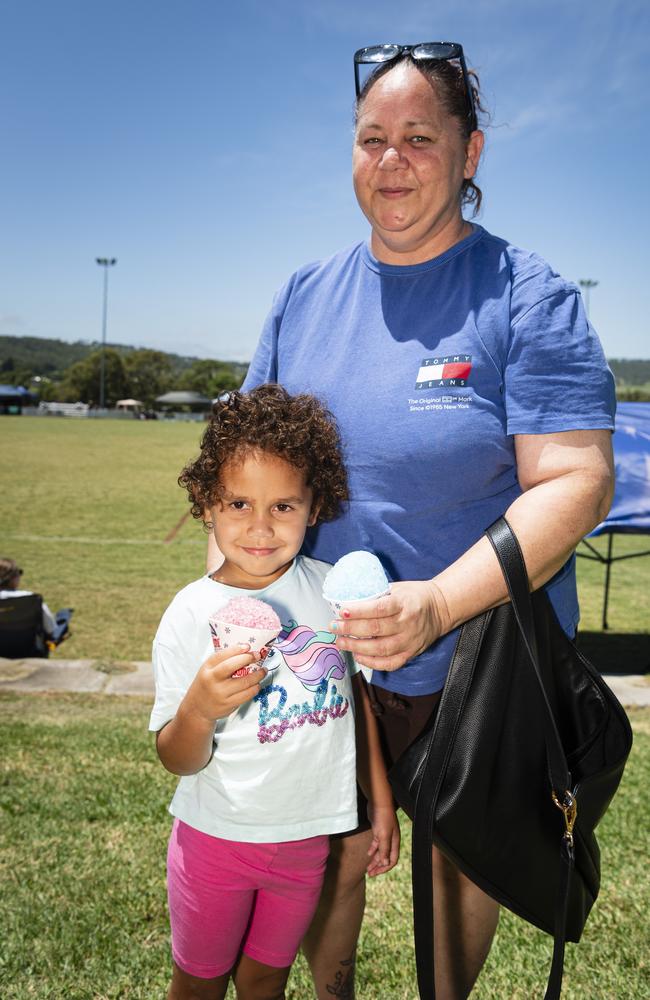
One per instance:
(260, 519)
(409, 163)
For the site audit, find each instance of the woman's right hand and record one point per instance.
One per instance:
(214, 692)
(385, 633)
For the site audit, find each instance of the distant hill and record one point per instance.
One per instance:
(38, 356)
(26, 357)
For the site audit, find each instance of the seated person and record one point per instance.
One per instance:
(10, 574)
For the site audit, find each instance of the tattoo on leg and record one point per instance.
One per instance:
(343, 985)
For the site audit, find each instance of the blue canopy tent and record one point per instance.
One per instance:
(630, 513)
(13, 398)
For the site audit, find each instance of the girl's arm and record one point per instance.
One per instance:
(371, 774)
(184, 745)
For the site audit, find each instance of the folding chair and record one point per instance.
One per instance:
(21, 627)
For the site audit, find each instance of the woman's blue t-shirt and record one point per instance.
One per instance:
(430, 370)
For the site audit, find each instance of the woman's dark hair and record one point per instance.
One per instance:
(267, 419)
(8, 570)
(447, 78)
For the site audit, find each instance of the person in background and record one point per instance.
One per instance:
(467, 383)
(10, 574)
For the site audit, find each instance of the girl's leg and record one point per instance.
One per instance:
(284, 907)
(187, 987)
(330, 945)
(210, 904)
(256, 981)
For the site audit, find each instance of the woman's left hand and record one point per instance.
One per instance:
(386, 633)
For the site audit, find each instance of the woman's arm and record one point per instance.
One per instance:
(371, 775)
(568, 484)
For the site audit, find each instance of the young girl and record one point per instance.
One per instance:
(267, 759)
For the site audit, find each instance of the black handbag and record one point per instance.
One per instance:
(526, 751)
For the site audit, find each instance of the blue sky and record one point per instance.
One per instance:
(207, 145)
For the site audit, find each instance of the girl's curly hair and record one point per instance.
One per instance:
(297, 429)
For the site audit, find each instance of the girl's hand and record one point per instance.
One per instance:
(214, 692)
(384, 849)
(386, 633)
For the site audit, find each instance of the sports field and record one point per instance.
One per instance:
(85, 510)
(87, 505)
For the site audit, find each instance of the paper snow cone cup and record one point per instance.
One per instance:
(225, 635)
(337, 604)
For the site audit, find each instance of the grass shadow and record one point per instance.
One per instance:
(617, 652)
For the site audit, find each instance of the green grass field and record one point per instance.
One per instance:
(82, 892)
(86, 508)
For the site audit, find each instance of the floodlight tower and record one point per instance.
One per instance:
(104, 262)
(587, 284)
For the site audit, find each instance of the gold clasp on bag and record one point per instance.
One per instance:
(569, 808)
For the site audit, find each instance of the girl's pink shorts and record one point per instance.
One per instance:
(226, 898)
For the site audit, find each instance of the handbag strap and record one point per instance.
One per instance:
(508, 552)
(512, 563)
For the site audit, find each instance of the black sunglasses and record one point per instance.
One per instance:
(444, 51)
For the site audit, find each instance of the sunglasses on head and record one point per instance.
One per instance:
(442, 51)
(228, 397)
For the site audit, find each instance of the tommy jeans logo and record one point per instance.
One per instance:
(452, 369)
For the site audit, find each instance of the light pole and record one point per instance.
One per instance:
(104, 262)
(587, 284)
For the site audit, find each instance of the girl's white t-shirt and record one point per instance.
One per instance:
(283, 766)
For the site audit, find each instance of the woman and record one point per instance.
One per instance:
(467, 384)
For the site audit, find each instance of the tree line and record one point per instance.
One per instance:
(70, 373)
(143, 375)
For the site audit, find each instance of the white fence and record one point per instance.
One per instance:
(63, 409)
(84, 410)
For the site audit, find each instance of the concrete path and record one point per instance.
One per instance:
(135, 677)
(94, 676)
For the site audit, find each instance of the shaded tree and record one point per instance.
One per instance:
(209, 378)
(149, 374)
(49, 391)
(81, 382)
(14, 374)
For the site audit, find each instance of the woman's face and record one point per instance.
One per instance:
(408, 165)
